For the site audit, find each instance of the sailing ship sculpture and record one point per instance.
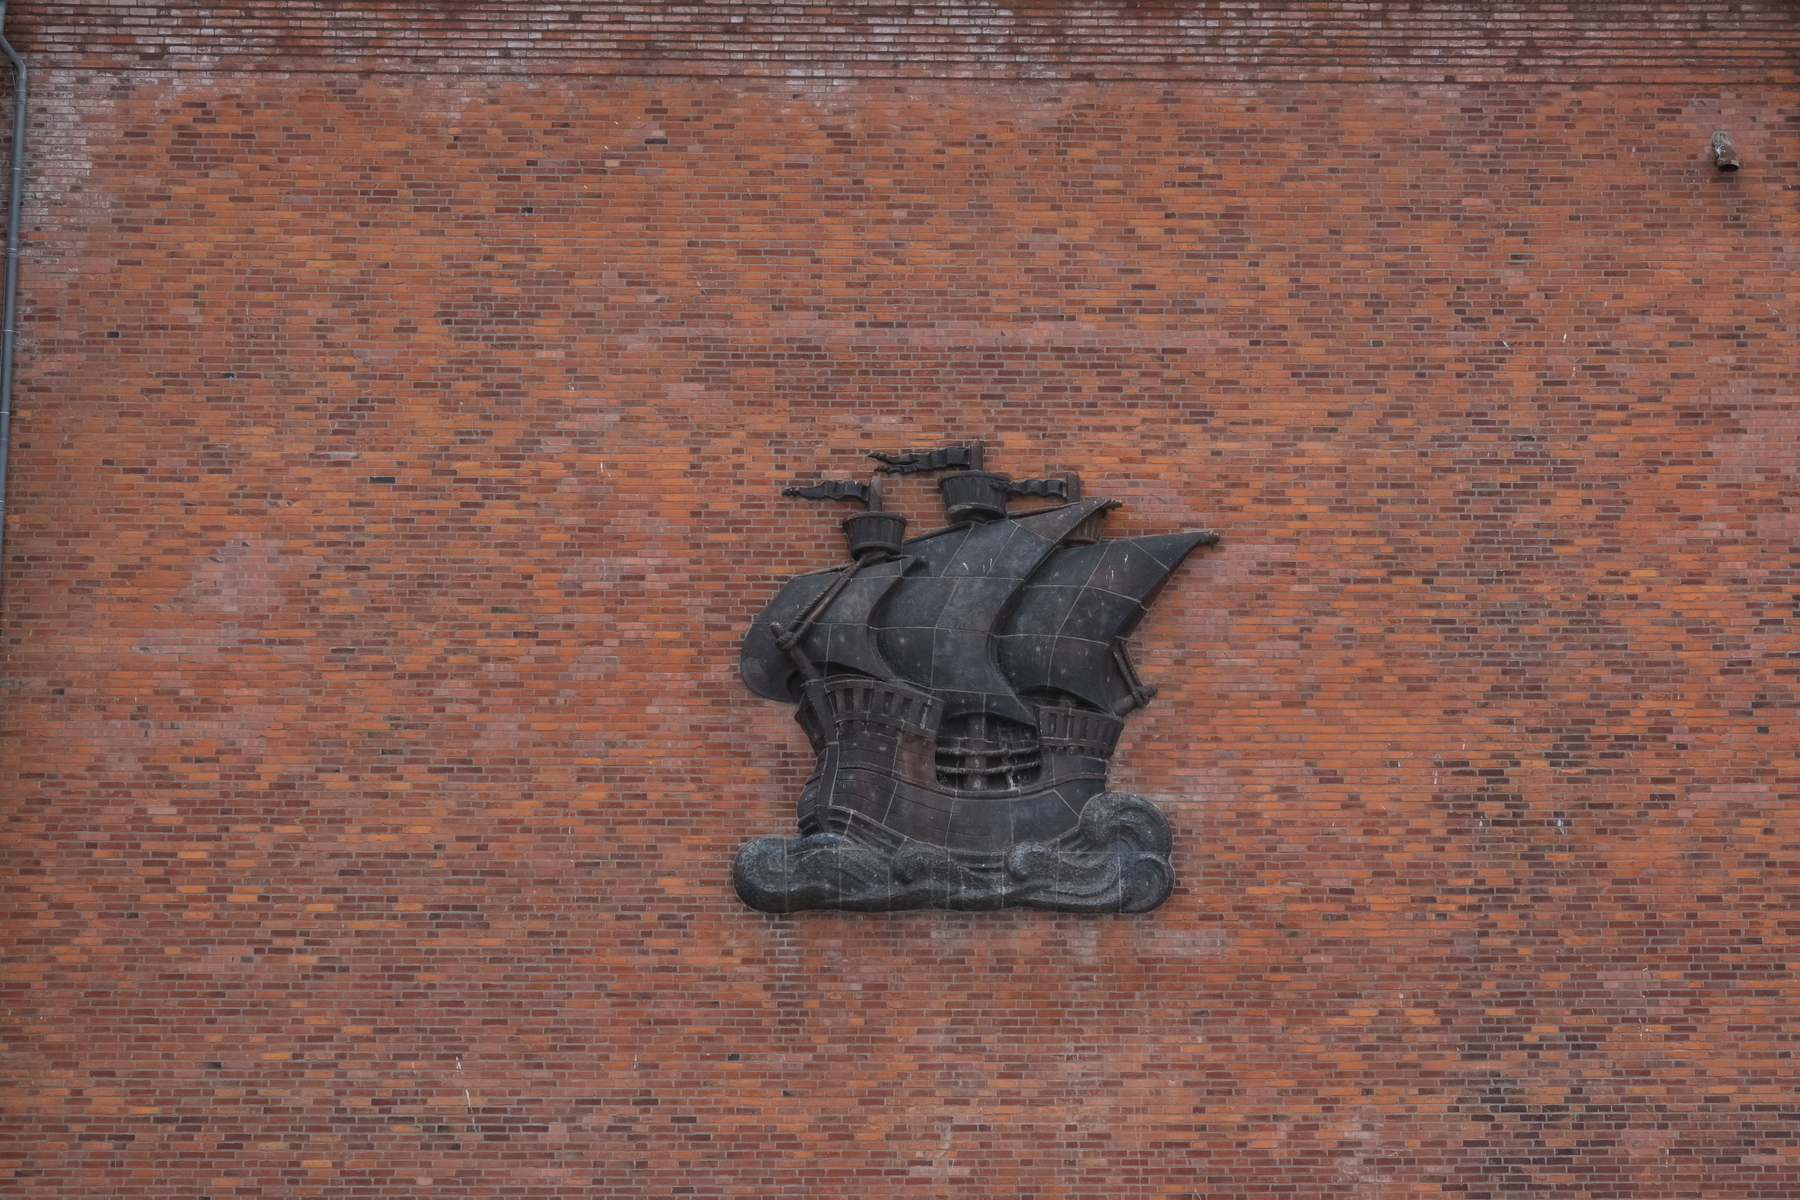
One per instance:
(964, 691)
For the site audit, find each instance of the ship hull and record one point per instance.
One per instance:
(877, 780)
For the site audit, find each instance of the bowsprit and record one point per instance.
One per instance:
(964, 692)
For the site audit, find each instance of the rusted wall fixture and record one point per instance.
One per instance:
(1724, 154)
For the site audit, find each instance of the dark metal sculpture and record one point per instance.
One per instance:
(964, 691)
(1724, 154)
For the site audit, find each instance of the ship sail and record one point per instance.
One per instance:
(1065, 633)
(838, 639)
(937, 629)
(977, 614)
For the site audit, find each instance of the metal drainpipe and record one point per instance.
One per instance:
(9, 305)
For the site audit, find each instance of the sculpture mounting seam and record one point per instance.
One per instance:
(964, 692)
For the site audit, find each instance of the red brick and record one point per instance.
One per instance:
(372, 838)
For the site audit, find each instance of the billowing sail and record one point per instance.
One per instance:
(838, 639)
(1062, 634)
(937, 630)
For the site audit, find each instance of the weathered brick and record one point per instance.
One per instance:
(373, 598)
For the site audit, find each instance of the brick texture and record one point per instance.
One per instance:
(1731, 41)
(398, 464)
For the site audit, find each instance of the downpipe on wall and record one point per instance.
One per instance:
(9, 298)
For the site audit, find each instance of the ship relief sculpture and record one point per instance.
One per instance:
(963, 692)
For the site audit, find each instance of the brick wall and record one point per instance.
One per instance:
(1285, 40)
(397, 467)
